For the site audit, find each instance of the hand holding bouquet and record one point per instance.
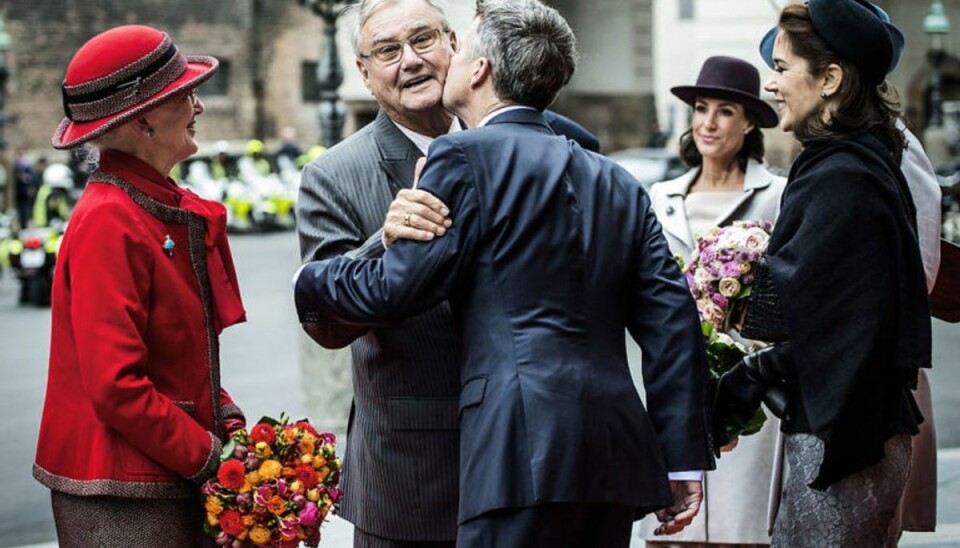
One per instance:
(274, 487)
(720, 276)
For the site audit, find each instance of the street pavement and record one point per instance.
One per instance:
(261, 370)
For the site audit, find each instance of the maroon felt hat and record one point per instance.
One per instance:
(732, 79)
(120, 74)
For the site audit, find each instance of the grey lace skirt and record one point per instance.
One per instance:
(858, 510)
(113, 522)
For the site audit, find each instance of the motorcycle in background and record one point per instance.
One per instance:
(32, 257)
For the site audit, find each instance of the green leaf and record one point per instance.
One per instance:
(270, 420)
(227, 452)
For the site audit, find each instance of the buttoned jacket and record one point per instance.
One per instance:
(760, 199)
(134, 406)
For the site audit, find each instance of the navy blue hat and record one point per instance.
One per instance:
(732, 79)
(849, 29)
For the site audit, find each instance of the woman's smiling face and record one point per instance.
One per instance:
(796, 91)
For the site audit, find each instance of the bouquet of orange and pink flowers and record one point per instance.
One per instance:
(275, 486)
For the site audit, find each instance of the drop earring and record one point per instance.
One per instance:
(151, 132)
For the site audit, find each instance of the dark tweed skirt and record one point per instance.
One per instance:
(859, 510)
(114, 522)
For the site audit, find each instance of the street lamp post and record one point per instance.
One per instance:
(329, 71)
(5, 179)
(937, 27)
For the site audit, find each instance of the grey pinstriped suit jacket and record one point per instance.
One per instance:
(401, 460)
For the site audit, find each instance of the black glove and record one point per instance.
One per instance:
(760, 376)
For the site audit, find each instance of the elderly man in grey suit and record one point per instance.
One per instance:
(401, 461)
(400, 464)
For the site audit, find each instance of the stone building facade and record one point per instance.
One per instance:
(632, 52)
(269, 50)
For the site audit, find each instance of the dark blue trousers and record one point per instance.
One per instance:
(551, 525)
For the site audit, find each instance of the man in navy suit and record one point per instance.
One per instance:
(552, 252)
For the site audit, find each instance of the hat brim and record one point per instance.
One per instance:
(762, 112)
(70, 134)
(766, 44)
(766, 47)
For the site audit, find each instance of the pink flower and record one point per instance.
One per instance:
(309, 514)
(730, 269)
(712, 313)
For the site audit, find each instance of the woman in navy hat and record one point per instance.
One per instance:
(134, 418)
(727, 182)
(841, 292)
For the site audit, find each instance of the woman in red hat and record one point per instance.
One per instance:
(841, 290)
(135, 417)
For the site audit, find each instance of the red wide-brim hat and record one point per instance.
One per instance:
(121, 74)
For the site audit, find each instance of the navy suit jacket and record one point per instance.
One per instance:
(553, 251)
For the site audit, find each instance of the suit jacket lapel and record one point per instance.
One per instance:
(755, 178)
(675, 219)
(398, 155)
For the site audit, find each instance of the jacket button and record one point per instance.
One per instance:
(669, 210)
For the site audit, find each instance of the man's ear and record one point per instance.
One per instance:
(831, 80)
(364, 74)
(480, 71)
(454, 41)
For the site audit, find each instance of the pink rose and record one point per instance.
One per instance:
(309, 515)
(712, 313)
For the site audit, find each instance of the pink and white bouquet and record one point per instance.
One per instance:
(720, 272)
(720, 275)
(275, 486)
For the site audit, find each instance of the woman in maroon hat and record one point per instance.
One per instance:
(841, 290)
(134, 417)
(727, 182)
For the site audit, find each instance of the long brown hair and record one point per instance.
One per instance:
(857, 106)
(752, 147)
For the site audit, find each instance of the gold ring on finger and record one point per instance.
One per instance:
(406, 220)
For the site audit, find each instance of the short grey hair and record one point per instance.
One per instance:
(531, 49)
(366, 8)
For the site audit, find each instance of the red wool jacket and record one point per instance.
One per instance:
(134, 406)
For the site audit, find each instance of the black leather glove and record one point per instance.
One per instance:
(760, 376)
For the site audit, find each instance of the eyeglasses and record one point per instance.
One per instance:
(389, 53)
(194, 99)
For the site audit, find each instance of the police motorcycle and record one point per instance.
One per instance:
(273, 204)
(32, 255)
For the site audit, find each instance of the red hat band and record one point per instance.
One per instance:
(125, 88)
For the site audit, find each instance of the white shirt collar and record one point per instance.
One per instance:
(497, 112)
(422, 141)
